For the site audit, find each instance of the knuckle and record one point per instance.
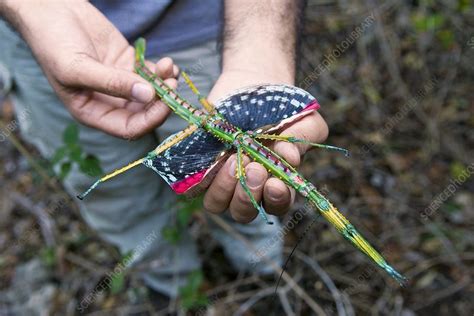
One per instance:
(290, 152)
(277, 197)
(115, 85)
(223, 197)
(66, 77)
(324, 130)
(210, 205)
(244, 200)
(256, 168)
(67, 73)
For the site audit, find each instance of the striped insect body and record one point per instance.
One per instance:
(238, 123)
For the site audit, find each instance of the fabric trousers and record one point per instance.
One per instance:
(131, 210)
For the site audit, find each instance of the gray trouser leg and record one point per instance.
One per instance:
(127, 210)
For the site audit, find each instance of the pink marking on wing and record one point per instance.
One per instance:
(184, 185)
(313, 105)
(307, 110)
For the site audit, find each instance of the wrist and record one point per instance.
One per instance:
(9, 11)
(264, 61)
(258, 74)
(22, 15)
(8, 5)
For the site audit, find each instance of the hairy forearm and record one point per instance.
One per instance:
(261, 36)
(9, 12)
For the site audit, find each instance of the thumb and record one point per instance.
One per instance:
(93, 75)
(312, 128)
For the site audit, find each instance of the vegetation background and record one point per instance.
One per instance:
(395, 82)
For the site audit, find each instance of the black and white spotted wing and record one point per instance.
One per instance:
(187, 163)
(258, 106)
(189, 157)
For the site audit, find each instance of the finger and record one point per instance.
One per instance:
(221, 190)
(241, 208)
(119, 121)
(165, 68)
(276, 197)
(312, 128)
(175, 71)
(93, 75)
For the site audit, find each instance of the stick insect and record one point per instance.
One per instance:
(242, 122)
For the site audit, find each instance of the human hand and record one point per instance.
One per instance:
(89, 64)
(225, 192)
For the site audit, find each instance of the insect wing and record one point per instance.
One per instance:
(186, 164)
(254, 107)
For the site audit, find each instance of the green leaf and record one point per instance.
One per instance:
(90, 166)
(71, 134)
(190, 294)
(58, 155)
(171, 234)
(186, 208)
(425, 23)
(457, 169)
(372, 94)
(117, 283)
(446, 37)
(195, 280)
(75, 153)
(65, 169)
(184, 216)
(464, 5)
(195, 300)
(48, 256)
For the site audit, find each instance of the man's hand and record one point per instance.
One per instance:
(226, 193)
(259, 47)
(89, 64)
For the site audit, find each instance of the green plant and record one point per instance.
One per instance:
(48, 256)
(72, 153)
(185, 210)
(117, 283)
(191, 295)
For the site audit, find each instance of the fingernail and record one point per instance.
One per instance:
(254, 179)
(274, 195)
(142, 92)
(232, 167)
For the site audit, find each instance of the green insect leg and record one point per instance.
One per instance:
(241, 177)
(291, 139)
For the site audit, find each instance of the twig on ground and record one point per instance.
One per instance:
(90, 266)
(313, 264)
(285, 276)
(254, 299)
(44, 220)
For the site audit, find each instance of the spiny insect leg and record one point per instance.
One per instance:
(291, 139)
(241, 177)
(158, 150)
(202, 99)
(349, 232)
(110, 175)
(176, 139)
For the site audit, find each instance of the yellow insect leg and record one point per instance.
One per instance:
(158, 150)
(208, 106)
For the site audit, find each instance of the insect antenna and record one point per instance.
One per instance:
(291, 254)
(109, 176)
(291, 139)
